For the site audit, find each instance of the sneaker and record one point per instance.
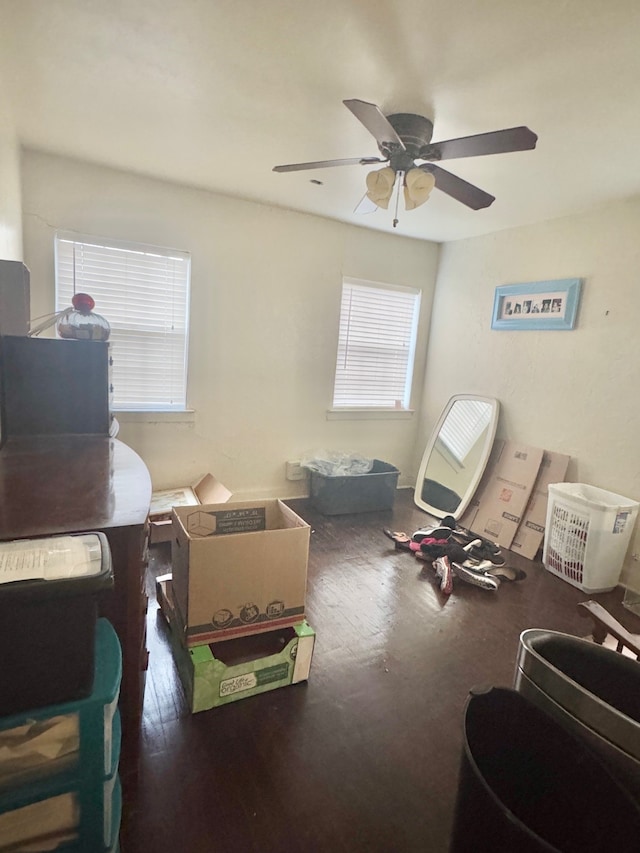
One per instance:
(478, 565)
(442, 534)
(478, 549)
(476, 578)
(445, 573)
(509, 573)
(465, 537)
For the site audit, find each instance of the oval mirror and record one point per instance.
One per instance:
(456, 455)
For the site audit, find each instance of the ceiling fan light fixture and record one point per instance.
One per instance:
(417, 188)
(404, 138)
(380, 186)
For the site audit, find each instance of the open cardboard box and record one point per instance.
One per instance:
(224, 672)
(238, 569)
(206, 490)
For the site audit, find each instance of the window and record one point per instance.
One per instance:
(376, 345)
(143, 292)
(464, 425)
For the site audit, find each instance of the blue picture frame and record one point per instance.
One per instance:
(537, 305)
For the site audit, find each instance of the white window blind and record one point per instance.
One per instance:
(464, 425)
(143, 292)
(376, 345)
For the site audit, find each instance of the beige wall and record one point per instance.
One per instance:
(265, 301)
(10, 201)
(574, 392)
(266, 285)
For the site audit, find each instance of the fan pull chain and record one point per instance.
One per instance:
(399, 180)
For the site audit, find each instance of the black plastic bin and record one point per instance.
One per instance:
(47, 626)
(526, 784)
(340, 495)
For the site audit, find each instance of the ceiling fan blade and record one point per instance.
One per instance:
(498, 142)
(375, 121)
(462, 191)
(324, 164)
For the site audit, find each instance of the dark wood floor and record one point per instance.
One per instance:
(364, 756)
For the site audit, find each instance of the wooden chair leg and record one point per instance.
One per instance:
(604, 623)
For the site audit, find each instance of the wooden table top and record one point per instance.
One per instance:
(70, 483)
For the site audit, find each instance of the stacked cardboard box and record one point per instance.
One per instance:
(214, 674)
(510, 504)
(236, 599)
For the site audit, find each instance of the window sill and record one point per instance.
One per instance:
(146, 417)
(368, 414)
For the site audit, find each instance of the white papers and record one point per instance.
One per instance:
(50, 559)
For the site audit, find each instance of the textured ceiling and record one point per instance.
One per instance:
(214, 94)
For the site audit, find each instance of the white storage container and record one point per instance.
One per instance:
(587, 535)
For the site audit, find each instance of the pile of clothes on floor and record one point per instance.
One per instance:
(453, 551)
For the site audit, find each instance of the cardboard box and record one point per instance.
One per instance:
(238, 569)
(506, 492)
(220, 673)
(530, 533)
(206, 490)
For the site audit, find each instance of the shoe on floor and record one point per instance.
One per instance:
(478, 550)
(508, 573)
(401, 540)
(482, 566)
(445, 573)
(481, 579)
(465, 537)
(440, 532)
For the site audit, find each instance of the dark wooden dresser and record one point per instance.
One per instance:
(75, 483)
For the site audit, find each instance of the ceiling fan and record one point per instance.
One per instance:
(404, 139)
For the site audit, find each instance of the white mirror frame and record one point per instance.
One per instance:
(482, 463)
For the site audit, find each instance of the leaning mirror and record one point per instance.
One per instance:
(456, 455)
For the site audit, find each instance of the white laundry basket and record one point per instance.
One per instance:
(587, 535)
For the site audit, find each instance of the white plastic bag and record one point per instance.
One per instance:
(335, 463)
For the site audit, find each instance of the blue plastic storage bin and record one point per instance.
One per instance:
(341, 495)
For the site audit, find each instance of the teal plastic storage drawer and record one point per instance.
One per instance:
(59, 765)
(59, 738)
(80, 815)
